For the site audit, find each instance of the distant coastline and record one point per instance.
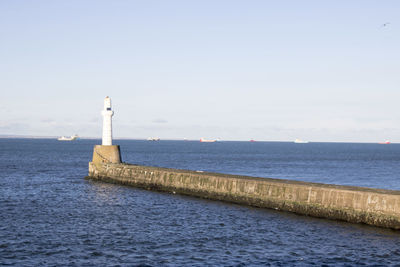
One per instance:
(27, 136)
(4, 136)
(16, 136)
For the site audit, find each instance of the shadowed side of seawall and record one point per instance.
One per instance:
(376, 207)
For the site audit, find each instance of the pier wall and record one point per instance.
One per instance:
(353, 204)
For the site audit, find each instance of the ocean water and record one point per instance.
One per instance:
(51, 216)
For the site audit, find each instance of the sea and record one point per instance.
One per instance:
(50, 215)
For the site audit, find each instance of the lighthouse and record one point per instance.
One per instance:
(107, 122)
(106, 152)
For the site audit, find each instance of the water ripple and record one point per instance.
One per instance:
(51, 216)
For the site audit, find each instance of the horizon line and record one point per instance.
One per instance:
(17, 136)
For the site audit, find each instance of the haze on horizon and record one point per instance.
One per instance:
(235, 70)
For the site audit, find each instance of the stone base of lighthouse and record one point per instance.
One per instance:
(106, 154)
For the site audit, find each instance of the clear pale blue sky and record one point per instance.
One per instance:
(235, 70)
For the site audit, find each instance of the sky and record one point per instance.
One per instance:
(323, 71)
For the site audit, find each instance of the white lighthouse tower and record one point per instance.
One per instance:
(106, 152)
(107, 123)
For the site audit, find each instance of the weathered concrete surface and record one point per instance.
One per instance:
(353, 204)
(106, 154)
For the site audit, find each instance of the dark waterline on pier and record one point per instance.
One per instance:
(50, 215)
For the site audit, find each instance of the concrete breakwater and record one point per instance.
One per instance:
(376, 207)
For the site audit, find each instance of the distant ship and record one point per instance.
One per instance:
(71, 138)
(252, 140)
(385, 143)
(207, 141)
(299, 141)
(153, 139)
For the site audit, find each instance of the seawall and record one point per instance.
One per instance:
(376, 207)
